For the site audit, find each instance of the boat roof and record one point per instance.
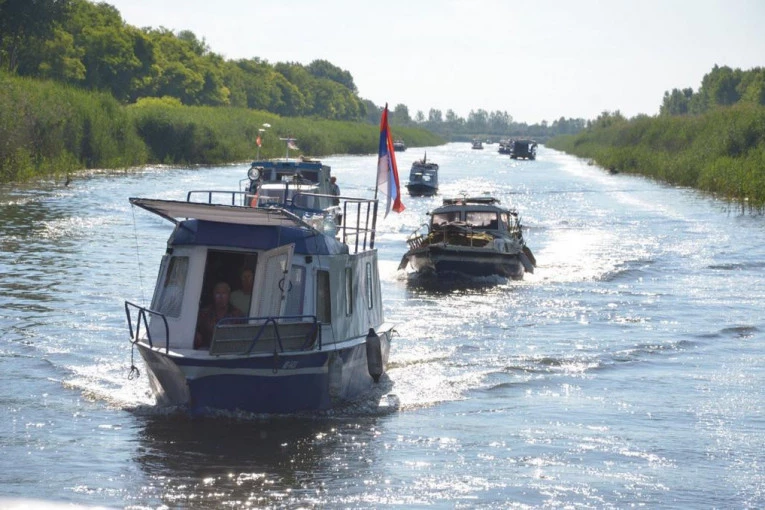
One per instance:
(299, 164)
(237, 226)
(177, 211)
(473, 204)
(471, 200)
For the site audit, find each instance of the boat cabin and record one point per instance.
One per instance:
(281, 181)
(525, 149)
(301, 273)
(482, 214)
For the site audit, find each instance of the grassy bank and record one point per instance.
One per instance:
(50, 129)
(720, 152)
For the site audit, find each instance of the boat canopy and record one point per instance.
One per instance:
(176, 211)
(254, 237)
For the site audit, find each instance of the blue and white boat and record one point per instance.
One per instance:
(312, 336)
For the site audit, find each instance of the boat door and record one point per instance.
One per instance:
(272, 281)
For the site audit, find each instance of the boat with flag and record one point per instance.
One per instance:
(310, 334)
(474, 236)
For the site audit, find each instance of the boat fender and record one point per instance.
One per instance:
(374, 355)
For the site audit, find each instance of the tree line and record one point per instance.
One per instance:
(722, 86)
(89, 45)
(712, 139)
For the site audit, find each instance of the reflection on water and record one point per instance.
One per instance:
(274, 461)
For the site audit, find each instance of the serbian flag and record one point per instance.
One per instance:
(387, 173)
(258, 141)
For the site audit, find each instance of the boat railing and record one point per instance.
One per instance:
(139, 316)
(261, 335)
(454, 233)
(418, 238)
(354, 220)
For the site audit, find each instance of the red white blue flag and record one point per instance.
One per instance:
(387, 173)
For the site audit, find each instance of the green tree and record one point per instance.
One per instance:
(22, 20)
(324, 69)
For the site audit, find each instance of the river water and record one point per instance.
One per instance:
(628, 370)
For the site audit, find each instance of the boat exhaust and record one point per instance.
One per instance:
(374, 355)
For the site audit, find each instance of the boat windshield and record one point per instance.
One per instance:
(482, 219)
(275, 194)
(444, 218)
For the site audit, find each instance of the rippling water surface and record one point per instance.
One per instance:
(628, 370)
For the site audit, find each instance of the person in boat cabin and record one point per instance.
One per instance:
(242, 297)
(220, 308)
(334, 189)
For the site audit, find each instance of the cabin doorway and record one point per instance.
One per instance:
(232, 268)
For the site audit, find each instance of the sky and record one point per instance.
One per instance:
(536, 60)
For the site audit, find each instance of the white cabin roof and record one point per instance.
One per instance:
(176, 211)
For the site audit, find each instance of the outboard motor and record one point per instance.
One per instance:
(374, 355)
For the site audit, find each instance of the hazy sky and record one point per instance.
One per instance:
(536, 60)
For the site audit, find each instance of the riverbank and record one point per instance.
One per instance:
(720, 152)
(51, 129)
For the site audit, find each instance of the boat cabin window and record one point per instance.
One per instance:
(323, 298)
(296, 291)
(444, 218)
(170, 297)
(482, 219)
(348, 291)
(368, 286)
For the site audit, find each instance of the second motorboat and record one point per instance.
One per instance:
(473, 236)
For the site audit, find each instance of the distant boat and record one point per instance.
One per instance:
(477, 144)
(523, 149)
(399, 145)
(423, 178)
(472, 236)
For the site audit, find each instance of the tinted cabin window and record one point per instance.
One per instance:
(171, 295)
(296, 292)
(348, 291)
(323, 298)
(368, 286)
(481, 219)
(444, 218)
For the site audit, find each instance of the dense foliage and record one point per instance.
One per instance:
(89, 45)
(48, 128)
(721, 151)
(722, 86)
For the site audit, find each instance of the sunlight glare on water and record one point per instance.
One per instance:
(627, 371)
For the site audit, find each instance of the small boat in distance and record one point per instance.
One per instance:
(472, 236)
(310, 334)
(399, 145)
(423, 178)
(523, 149)
(477, 144)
